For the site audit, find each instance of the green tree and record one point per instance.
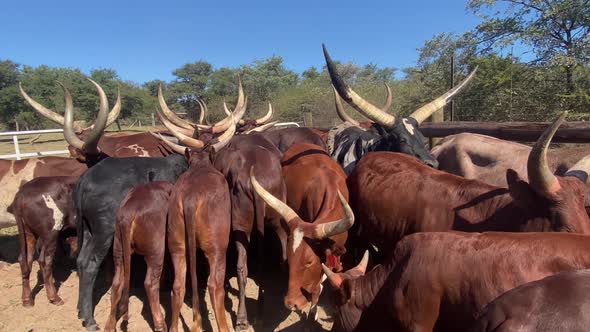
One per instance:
(556, 30)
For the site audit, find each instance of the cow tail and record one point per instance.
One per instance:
(125, 238)
(22, 236)
(189, 222)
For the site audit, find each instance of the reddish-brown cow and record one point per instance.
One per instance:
(199, 217)
(140, 228)
(313, 183)
(394, 195)
(249, 213)
(440, 281)
(44, 212)
(15, 173)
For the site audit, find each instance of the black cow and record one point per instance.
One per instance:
(97, 197)
(388, 133)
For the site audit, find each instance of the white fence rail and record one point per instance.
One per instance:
(18, 155)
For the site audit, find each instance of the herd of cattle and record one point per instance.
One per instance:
(477, 234)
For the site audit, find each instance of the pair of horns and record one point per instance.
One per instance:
(336, 279)
(175, 119)
(379, 115)
(319, 231)
(90, 145)
(59, 119)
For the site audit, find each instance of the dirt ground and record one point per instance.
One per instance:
(47, 317)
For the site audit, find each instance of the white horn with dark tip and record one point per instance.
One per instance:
(283, 209)
(325, 230)
(540, 176)
(340, 110)
(353, 99)
(426, 111)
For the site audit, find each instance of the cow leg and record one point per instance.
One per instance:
(215, 286)
(242, 267)
(49, 247)
(83, 254)
(178, 288)
(152, 289)
(116, 290)
(100, 246)
(25, 260)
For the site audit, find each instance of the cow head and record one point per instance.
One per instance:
(80, 131)
(560, 200)
(398, 135)
(309, 243)
(345, 297)
(195, 149)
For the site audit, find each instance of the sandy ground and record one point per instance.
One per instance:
(47, 317)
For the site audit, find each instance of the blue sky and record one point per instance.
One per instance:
(145, 40)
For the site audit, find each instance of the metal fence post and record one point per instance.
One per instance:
(16, 148)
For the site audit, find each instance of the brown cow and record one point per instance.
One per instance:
(313, 182)
(140, 228)
(249, 213)
(15, 173)
(439, 281)
(554, 303)
(44, 213)
(486, 158)
(133, 145)
(394, 195)
(200, 214)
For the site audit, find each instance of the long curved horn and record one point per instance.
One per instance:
(426, 111)
(283, 209)
(340, 109)
(388, 100)
(175, 147)
(203, 111)
(322, 231)
(581, 170)
(116, 110)
(221, 141)
(91, 143)
(540, 176)
(262, 128)
(175, 119)
(226, 109)
(51, 115)
(68, 125)
(266, 117)
(182, 138)
(353, 99)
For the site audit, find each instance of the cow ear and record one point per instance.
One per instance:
(522, 193)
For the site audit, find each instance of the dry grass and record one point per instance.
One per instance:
(50, 142)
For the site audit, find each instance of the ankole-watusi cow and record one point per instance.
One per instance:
(199, 217)
(389, 133)
(318, 217)
(554, 303)
(15, 173)
(487, 158)
(394, 195)
(97, 196)
(44, 214)
(439, 281)
(140, 228)
(119, 145)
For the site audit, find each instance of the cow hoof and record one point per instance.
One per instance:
(57, 301)
(92, 327)
(242, 326)
(28, 303)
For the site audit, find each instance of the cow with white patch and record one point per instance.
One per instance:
(318, 218)
(44, 213)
